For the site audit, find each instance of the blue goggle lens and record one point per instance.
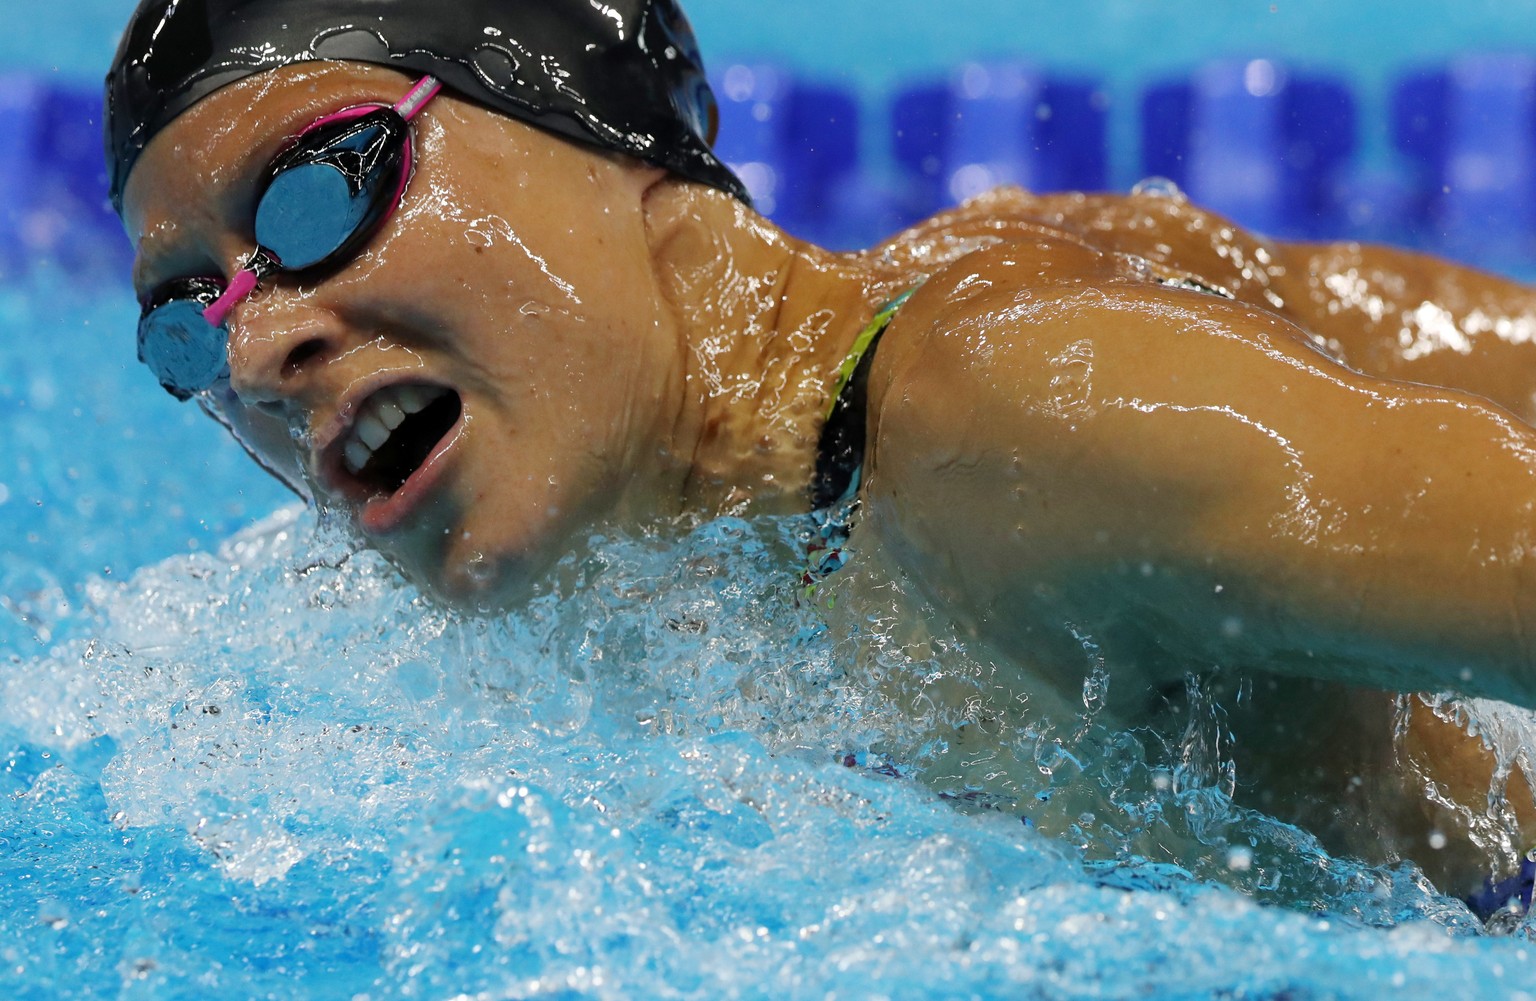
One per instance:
(307, 215)
(330, 190)
(184, 351)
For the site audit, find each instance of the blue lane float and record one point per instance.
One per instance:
(1274, 147)
(1257, 141)
(1469, 132)
(994, 123)
(21, 108)
(795, 144)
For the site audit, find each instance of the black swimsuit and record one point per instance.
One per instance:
(840, 452)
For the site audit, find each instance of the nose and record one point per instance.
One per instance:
(278, 341)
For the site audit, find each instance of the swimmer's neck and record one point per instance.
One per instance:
(763, 320)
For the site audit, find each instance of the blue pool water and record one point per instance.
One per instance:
(261, 766)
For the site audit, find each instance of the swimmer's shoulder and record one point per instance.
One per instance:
(1167, 229)
(1165, 234)
(997, 288)
(973, 341)
(995, 331)
(1009, 245)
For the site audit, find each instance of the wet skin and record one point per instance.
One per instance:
(1189, 478)
(1069, 437)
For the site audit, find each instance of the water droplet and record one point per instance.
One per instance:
(53, 914)
(479, 568)
(1158, 187)
(1137, 267)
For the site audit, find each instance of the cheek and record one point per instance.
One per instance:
(470, 274)
(544, 300)
(529, 223)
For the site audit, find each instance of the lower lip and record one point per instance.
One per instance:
(383, 515)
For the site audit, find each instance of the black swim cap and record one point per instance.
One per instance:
(624, 75)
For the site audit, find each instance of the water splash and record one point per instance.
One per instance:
(666, 778)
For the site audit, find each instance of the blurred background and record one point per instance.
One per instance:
(1411, 121)
(1407, 121)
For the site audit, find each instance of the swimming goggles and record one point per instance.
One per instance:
(325, 196)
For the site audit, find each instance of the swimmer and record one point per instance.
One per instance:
(471, 274)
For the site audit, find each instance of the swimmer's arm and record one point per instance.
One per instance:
(1178, 478)
(1404, 315)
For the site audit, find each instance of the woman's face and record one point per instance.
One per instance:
(510, 300)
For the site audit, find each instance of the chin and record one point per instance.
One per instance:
(476, 549)
(488, 585)
(478, 582)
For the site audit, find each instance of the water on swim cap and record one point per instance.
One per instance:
(624, 75)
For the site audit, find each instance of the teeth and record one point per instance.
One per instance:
(357, 455)
(385, 410)
(370, 429)
(412, 399)
(389, 413)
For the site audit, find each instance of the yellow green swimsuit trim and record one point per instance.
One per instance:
(840, 450)
(861, 344)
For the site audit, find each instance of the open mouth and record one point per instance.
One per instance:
(395, 431)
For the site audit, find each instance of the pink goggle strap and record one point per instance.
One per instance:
(246, 280)
(417, 97)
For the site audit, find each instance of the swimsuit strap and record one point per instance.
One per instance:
(840, 452)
